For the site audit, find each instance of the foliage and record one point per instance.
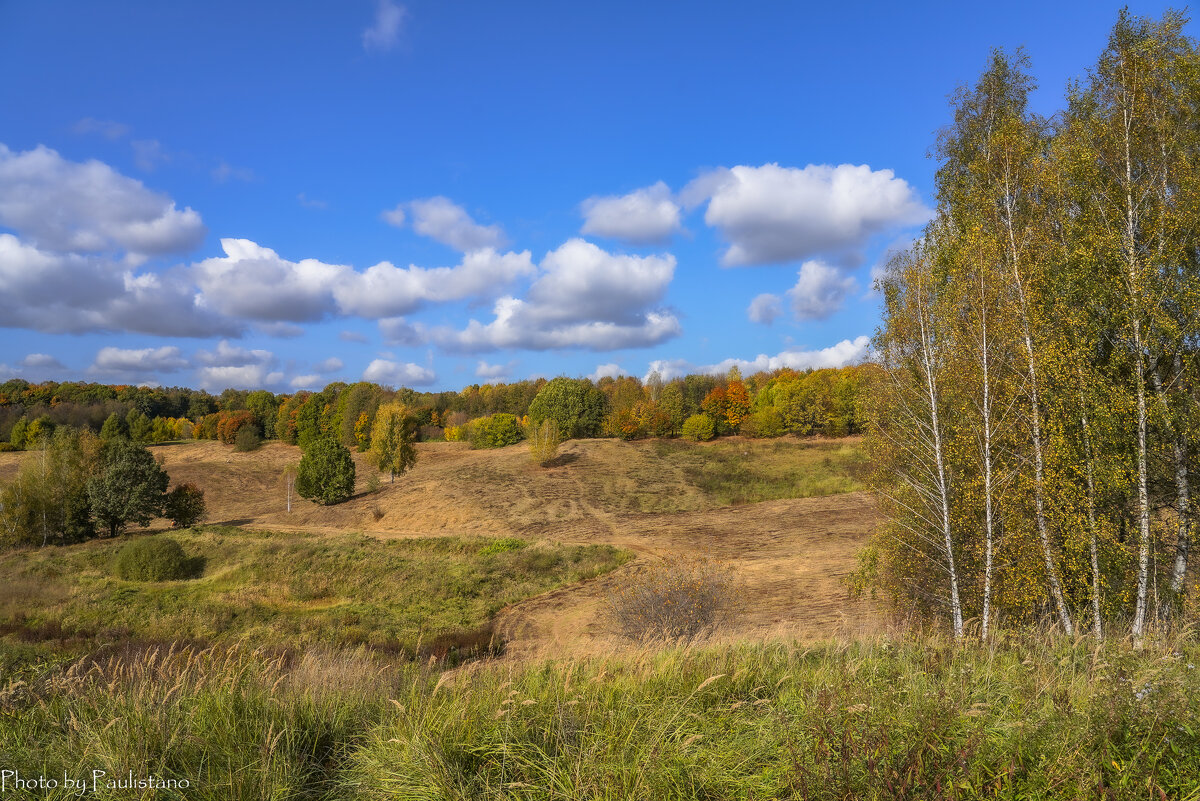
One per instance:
(129, 487)
(543, 441)
(114, 426)
(392, 439)
(48, 500)
(575, 405)
(698, 428)
(672, 598)
(1035, 419)
(495, 431)
(153, 558)
(247, 439)
(229, 423)
(326, 473)
(184, 505)
(765, 424)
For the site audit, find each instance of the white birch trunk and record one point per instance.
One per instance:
(1097, 626)
(942, 487)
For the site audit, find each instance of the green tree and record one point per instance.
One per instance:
(184, 505)
(577, 407)
(114, 427)
(48, 500)
(392, 439)
(129, 488)
(326, 473)
(17, 436)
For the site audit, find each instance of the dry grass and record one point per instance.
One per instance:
(653, 497)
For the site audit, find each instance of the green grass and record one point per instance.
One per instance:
(917, 717)
(290, 589)
(737, 472)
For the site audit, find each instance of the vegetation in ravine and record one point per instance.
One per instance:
(286, 589)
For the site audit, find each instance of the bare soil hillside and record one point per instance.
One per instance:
(790, 555)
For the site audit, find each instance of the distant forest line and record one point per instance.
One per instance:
(766, 404)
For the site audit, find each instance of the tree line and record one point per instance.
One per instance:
(765, 404)
(1034, 421)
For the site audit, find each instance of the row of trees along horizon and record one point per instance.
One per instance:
(82, 483)
(1036, 424)
(766, 404)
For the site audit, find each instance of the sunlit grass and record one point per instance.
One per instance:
(910, 717)
(288, 588)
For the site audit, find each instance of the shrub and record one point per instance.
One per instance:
(153, 559)
(543, 441)
(430, 433)
(230, 424)
(184, 506)
(326, 473)
(247, 439)
(8, 447)
(699, 428)
(765, 423)
(673, 598)
(496, 431)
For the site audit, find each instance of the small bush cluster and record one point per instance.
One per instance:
(247, 439)
(544, 440)
(671, 599)
(699, 428)
(153, 559)
(184, 505)
(495, 431)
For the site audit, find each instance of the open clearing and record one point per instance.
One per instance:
(655, 498)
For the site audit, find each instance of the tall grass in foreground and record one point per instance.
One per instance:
(916, 717)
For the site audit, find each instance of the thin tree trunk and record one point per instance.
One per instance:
(943, 489)
(1139, 378)
(987, 466)
(1182, 490)
(1064, 616)
(1097, 626)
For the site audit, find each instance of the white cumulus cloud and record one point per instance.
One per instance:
(385, 371)
(820, 291)
(644, 216)
(167, 359)
(84, 208)
(765, 308)
(330, 365)
(773, 214)
(609, 370)
(443, 220)
(584, 298)
(843, 353)
(41, 361)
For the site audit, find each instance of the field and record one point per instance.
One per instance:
(727, 500)
(286, 670)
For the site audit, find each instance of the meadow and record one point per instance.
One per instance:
(445, 637)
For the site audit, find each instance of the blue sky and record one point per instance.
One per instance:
(437, 194)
